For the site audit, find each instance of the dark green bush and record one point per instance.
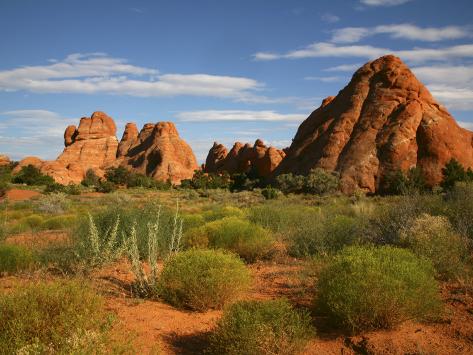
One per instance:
(90, 179)
(369, 288)
(454, 172)
(434, 238)
(321, 182)
(246, 239)
(14, 258)
(31, 175)
(58, 317)
(399, 183)
(105, 187)
(205, 181)
(203, 279)
(261, 327)
(270, 193)
(289, 183)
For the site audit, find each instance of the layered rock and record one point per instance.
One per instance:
(241, 158)
(157, 151)
(382, 121)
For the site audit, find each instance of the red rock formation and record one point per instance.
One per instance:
(243, 158)
(158, 151)
(129, 138)
(383, 120)
(4, 160)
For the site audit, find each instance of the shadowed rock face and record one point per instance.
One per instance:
(383, 120)
(243, 158)
(157, 151)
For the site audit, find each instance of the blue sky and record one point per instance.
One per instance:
(221, 70)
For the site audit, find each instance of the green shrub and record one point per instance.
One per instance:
(270, 193)
(33, 222)
(205, 181)
(117, 176)
(105, 187)
(369, 288)
(203, 279)
(434, 238)
(54, 203)
(242, 237)
(458, 208)
(218, 212)
(31, 175)
(454, 172)
(14, 258)
(90, 179)
(400, 183)
(261, 327)
(59, 317)
(321, 182)
(289, 183)
(58, 222)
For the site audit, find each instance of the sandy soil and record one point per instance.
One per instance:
(21, 195)
(156, 327)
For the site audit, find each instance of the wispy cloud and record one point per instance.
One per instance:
(404, 31)
(236, 115)
(324, 49)
(344, 68)
(27, 132)
(329, 18)
(325, 79)
(99, 73)
(383, 2)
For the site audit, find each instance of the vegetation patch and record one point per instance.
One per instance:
(261, 327)
(14, 258)
(368, 288)
(203, 279)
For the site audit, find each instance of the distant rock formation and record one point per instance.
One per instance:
(4, 160)
(93, 145)
(243, 158)
(157, 151)
(382, 121)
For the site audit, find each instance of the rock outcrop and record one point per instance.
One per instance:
(382, 121)
(4, 160)
(157, 151)
(243, 158)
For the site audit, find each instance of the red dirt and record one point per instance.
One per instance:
(39, 240)
(21, 195)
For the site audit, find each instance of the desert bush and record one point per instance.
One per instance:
(58, 222)
(400, 183)
(368, 288)
(261, 327)
(245, 181)
(55, 203)
(14, 258)
(434, 238)
(242, 237)
(321, 182)
(58, 317)
(270, 193)
(219, 212)
(90, 179)
(105, 187)
(31, 175)
(289, 183)
(205, 181)
(458, 207)
(203, 279)
(117, 176)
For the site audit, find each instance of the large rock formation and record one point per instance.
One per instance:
(92, 145)
(157, 151)
(243, 158)
(383, 120)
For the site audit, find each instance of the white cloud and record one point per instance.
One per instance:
(467, 125)
(404, 31)
(325, 79)
(345, 68)
(32, 132)
(383, 2)
(329, 18)
(98, 73)
(236, 115)
(323, 49)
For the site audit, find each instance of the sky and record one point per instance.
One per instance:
(221, 70)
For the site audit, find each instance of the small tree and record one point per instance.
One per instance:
(90, 179)
(31, 175)
(289, 183)
(454, 172)
(399, 183)
(117, 176)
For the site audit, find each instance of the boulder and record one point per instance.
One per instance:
(383, 120)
